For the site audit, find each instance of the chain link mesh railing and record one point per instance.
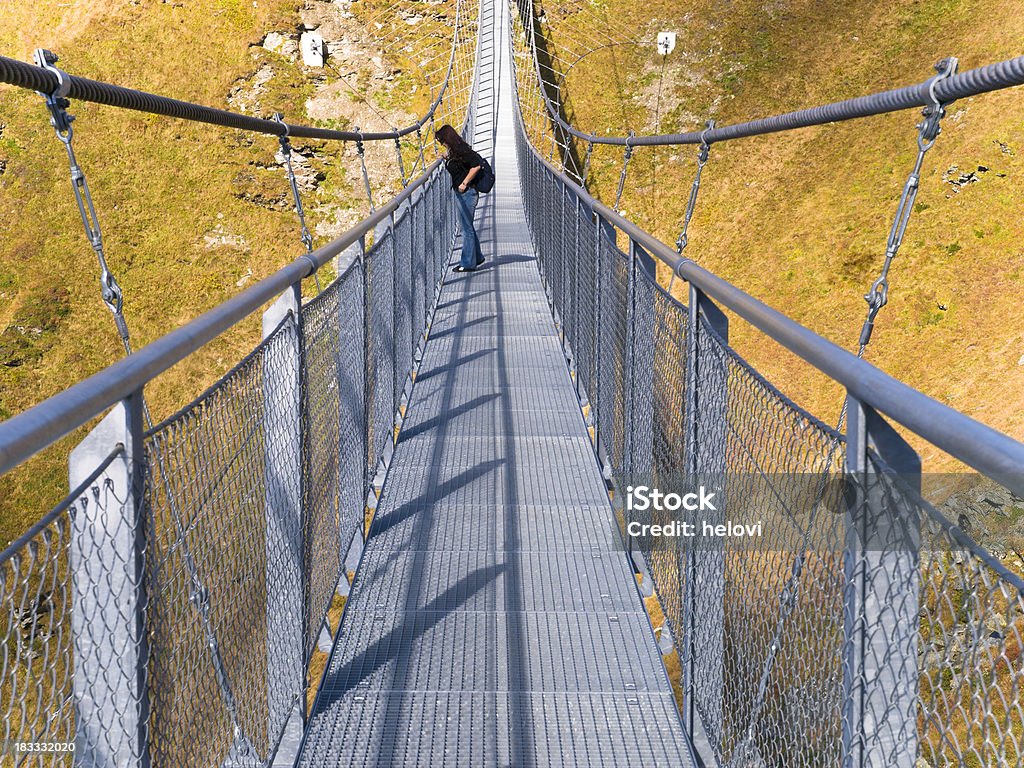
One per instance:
(767, 621)
(222, 501)
(174, 624)
(166, 613)
(806, 649)
(381, 341)
(327, 447)
(46, 614)
(937, 639)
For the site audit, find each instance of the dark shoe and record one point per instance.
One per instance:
(480, 262)
(461, 268)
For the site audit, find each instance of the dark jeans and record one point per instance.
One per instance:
(465, 205)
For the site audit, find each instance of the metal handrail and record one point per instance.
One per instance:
(977, 445)
(33, 430)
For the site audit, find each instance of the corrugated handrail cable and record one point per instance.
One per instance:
(23, 75)
(992, 77)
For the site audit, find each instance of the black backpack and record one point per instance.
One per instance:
(484, 179)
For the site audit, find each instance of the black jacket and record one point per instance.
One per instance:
(458, 167)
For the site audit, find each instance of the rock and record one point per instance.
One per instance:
(1021, 361)
(245, 95)
(959, 179)
(219, 237)
(313, 50)
(276, 42)
(1005, 148)
(995, 626)
(307, 177)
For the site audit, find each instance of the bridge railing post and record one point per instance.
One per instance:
(398, 274)
(576, 285)
(881, 594)
(369, 395)
(283, 466)
(628, 390)
(108, 544)
(703, 585)
(640, 392)
(598, 400)
(352, 427)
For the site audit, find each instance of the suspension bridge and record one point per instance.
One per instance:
(456, 444)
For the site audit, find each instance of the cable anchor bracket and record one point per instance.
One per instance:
(703, 153)
(927, 132)
(627, 155)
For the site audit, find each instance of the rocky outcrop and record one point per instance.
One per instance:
(991, 515)
(349, 91)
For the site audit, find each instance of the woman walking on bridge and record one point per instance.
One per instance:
(463, 164)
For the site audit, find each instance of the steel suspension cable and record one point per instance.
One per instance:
(43, 80)
(996, 76)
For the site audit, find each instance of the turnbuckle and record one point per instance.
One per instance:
(58, 103)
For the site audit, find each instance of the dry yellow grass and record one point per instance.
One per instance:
(318, 664)
(671, 660)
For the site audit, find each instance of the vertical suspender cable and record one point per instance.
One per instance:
(586, 165)
(627, 155)
(401, 163)
(361, 150)
(286, 151)
(57, 103)
(691, 204)
(422, 160)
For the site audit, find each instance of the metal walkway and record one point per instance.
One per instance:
(494, 620)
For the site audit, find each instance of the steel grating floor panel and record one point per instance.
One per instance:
(494, 619)
(492, 529)
(495, 651)
(487, 415)
(473, 729)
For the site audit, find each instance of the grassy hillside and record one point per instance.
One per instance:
(800, 220)
(190, 213)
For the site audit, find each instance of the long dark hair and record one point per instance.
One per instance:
(457, 146)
